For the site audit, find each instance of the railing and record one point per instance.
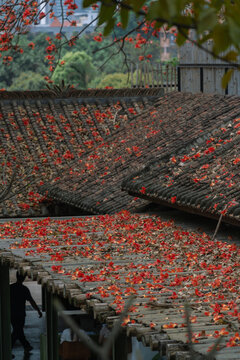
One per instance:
(146, 74)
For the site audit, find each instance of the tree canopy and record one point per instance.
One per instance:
(76, 69)
(116, 80)
(28, 80)
(37, 60)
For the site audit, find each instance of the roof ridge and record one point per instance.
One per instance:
(7, 95)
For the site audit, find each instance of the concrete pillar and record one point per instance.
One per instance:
(5, 316)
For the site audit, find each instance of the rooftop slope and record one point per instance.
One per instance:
(172, 124)
(101, 261)
(43, 134)
(203, 177)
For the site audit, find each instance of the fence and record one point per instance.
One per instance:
(146, 74)
(199, 71)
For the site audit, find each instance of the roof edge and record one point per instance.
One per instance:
(195, 211)
(7, 95)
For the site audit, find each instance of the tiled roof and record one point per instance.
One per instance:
(98, 262)
(202, 177)
(172, 124)
(44, 133)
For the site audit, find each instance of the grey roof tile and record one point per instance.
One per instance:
(176, 121)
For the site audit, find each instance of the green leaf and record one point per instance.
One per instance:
(106, 13)
(231, 56)
(217, 4)
(124, 15)
(172, 8)
(207, 20)
(221, 38)
(157, 10)
(226, 78)
(158, 24)
(234, 31)
(152, 11)
(137, 4)
(87, 3)
(109, 26)
(180, 40)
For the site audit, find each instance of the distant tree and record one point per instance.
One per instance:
(116, 80)
(75, 69)
(28, 81)
(32, 59)
(101, 59)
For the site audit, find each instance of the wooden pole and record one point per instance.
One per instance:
(137, 75)
(5, 327)
(55, 330)
(140, 77)
(218, 225)
(43, 298)
(148, 75)
(132, 76)
(179, 78)
(121, 347)
(144, 74)
(161, 75)
(49, 325)
(52, 327)
(152, 75)
(167, 73)
(175, 78)
(158, 75)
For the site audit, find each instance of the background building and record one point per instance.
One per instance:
(81, 16)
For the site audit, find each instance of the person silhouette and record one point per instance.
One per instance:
(19, 294)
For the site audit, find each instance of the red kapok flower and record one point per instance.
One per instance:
(173, 199)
